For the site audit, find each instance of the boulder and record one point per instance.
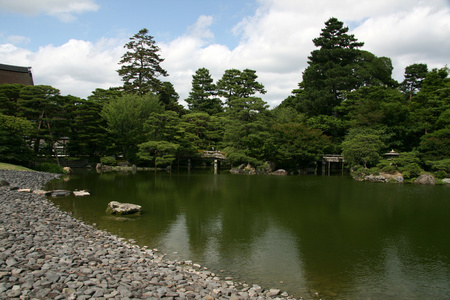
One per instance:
(118, 208)
(397, 176)
(243, 169)
(279, 172)
(237, 170)
(446, 180)
(81, 193)
(399, 179)
(375, 178)
(61, 193)
(249, 170)
(67, 170)
(425, 179)
(42, 193)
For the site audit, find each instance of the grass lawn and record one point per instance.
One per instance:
(4, 166)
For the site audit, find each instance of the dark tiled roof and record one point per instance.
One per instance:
(15, 68)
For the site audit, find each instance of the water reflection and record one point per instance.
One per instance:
(330, 235)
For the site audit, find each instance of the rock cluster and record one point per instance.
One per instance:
(47, 254)
(250, 170)
(385, 177)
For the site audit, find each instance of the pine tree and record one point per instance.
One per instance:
(202, 97)
(338, 67)
(239, 84)
(141, 64)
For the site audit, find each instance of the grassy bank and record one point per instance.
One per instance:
(5, 166)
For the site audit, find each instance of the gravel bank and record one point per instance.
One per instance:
(47, 254)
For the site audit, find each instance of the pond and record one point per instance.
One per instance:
(328, 235)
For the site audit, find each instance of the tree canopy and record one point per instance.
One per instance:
(141, 64)
(336, 68)
(347, 103)
(203, 95)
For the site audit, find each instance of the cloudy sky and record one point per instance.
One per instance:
(75, 45)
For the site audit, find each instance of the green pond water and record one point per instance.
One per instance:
(302, 234)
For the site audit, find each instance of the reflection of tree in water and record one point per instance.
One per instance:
(349, 234)
(220, 213)
(327, 234)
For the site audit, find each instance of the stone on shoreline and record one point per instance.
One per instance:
(375, 178)
(47, 254)
(60, 193)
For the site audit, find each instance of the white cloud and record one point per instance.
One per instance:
(15, 56)
(414, 35)
(275, 42)
(76, 67)
(79, 67)
(65, 10)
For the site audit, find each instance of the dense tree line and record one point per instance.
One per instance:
(347, 103)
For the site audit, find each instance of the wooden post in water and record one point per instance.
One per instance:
(216, 163)
(189, 165)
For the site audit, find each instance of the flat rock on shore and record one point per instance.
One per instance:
(47, 254)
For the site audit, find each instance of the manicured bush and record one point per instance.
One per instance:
(108, 160)
(440, 165)
(440, 174)
(51, 168)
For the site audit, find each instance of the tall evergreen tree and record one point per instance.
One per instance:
(202, 97)
(169, 97)
(40, 104)
(414, 76)
(337, 67)
(239, 84)
(141, 64)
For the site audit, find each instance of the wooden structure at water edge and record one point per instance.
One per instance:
(328, 159)
(216, 156)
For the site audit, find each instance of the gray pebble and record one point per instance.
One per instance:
(47, 254)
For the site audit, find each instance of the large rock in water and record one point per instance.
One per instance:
(425, 179)
(118, 208)
(61, 193)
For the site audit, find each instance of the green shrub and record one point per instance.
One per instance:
(406, 175)
(440, 174)
(407, 164)
(51, 168)
(440, 165)
(414, 170)
(374, 171)
(108, 160)
(387, 166)
(359, 171)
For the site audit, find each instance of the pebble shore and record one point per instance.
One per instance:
(47, 254)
